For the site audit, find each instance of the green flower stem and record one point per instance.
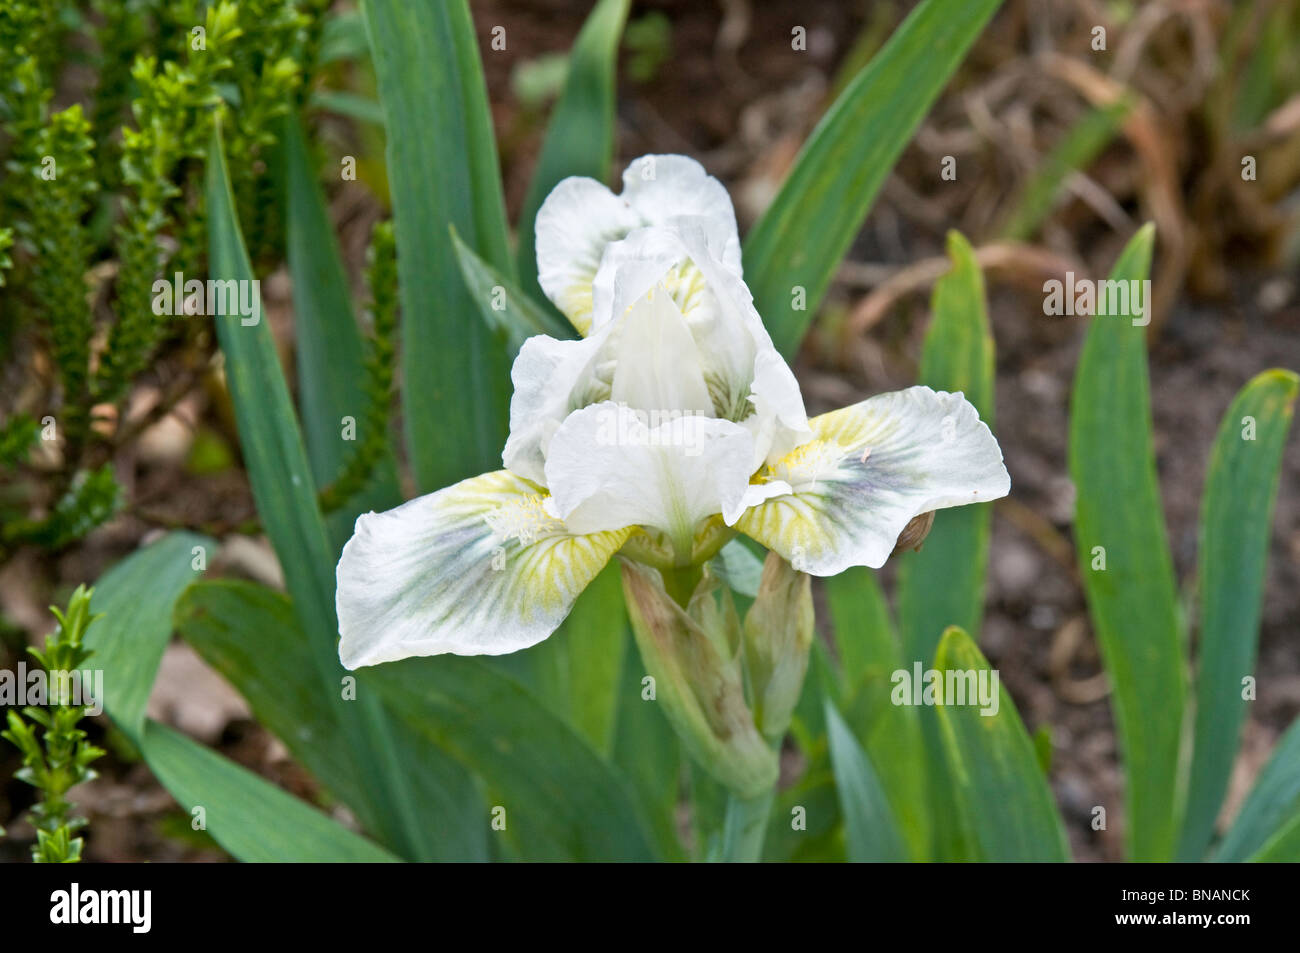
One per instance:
(680, 583)
(745, 827)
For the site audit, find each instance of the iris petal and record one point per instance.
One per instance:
(608, 467)
(478, 568)
(581, 217)
(842, 499)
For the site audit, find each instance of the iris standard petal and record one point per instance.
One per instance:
(657, 366)
(552, 378)
(575, 223)
(746, 376)
(647, 360)
(779, 422)
(663, 187)
(843, 498)
(581, 217)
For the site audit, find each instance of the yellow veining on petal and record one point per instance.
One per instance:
(837, 436)
(556, 569)
(479, 567)
(795, 524)
(540, 567)
(790, 524)
(685, 282)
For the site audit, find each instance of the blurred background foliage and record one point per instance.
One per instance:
(1070, 124)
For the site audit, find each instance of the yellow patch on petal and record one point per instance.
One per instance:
(542, 565)
(576, 304)
(797, 524)
(550, 574)
(794, 525)
(686, 283)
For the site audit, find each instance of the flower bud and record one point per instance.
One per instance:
(914, 533)
(694, 656)
(778, 637)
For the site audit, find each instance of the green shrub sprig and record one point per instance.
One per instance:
(174, 115)
(55, 750)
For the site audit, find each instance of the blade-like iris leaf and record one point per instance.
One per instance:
(1124, 557)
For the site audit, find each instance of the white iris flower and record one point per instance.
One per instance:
(670, 426)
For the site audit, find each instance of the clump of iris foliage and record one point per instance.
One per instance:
(197, 154)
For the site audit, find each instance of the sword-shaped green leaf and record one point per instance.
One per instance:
(943, 584)
(1236, 514)
(1124, 554)
(891, 734)
(508, 311)
(328, 343)
(1002, 798)
(1272, 808)
(443, 170)
(285, 493)
(869, 825)
(229, 622)
(248, 816)
(558, 799)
